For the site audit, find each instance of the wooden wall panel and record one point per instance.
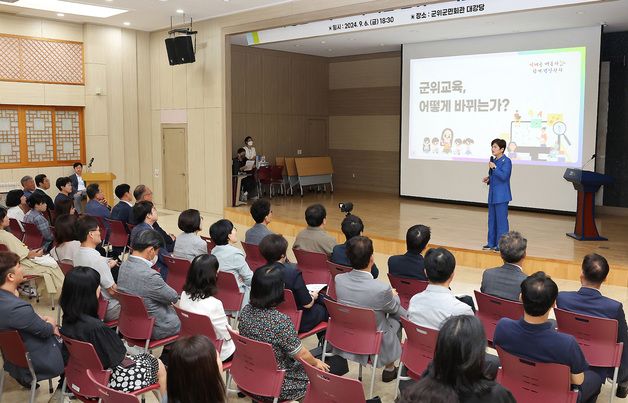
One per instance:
(365, 73)
(365, 101)
(238, 75)
(376, 171)
(253, 83)
(375, 133)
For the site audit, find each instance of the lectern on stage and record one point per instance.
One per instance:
(586, 183)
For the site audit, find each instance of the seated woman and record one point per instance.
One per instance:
(63, 207)
(195, 372)
(66, 241)
(35, 215)
(79, 301)
(198, 297)
(458, 365)
(17, 206)
(273, 247)
(261, 321)
(188, 244)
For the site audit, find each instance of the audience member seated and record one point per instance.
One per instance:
(505, 281)
(195, 372)
(189, 244)
(33, 262)
(37, 332)
(18, 207)
(314, 238)
(64, 184)
(588, 300)
(261, 321)
(458, 366)
(238, 165)
(198, 297)
(78, 186)
(411, 264)
(359, 288)
(137, 277)
(534, 338)
(262, 214)
(123, 210)
(42, 183)
(231, 259)
(79, 302)
(35, 215)
(64, 207)
(97, 205)
(147, 213)
(273, 247)
(89, 235)
(143, 193)
(351, 226)
(28, 185)
(428, 391)
(66, 240)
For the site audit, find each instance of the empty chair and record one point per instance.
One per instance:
(177, 272)
(417, 350)
(33, 238)
(276, 178)
(336, 269)
(108, 395)
(16, 229)
(313, 266)
(229, 293)
(289, 307)
(329, 388)
(253, 257)
(118, 234)
(406, 288)
(264, 178)
(491, 309)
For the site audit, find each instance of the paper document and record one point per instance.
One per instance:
(315, 287)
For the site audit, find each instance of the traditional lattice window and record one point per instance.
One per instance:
(40, 136)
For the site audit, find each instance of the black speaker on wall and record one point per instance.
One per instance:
(180, 50)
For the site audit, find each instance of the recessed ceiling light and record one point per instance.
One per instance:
(67, 7)
(297, 45)
(329, 50)
(323, 42)
(60, 14)
(580, 12)
(179, 11)
(381, 44)
(126, 23)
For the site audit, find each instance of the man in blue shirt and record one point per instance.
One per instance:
(589, 301)
(498, 181)
(411, 264)
(122, 211)
(351, 226)
(97, 205)
(535, 339)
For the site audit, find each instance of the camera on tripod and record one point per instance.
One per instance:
(346, 207)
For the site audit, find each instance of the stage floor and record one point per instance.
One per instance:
(463, 228)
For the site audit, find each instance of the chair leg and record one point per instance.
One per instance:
(33, 390)
(360, 373)
(62, 394)
(373, 376)
(398, 379)
(52, 301)
(614, 384)
(50, 386)
(1, 383)
(323, 355)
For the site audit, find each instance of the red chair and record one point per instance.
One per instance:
(313, 266)
(331, 289)
(14, 227)
(66, 266)
(103, 305)
(108, 395)
(276, 178)
(193, 324)
(417, 351)
(3, 248)
(289, 307)
(254, 368)
(264, 178)
(177, 272)
(597, 338)
(118, 235)
(328, 388)
(336, 269)
(406, 288)
(136, 326)
(254, 257)
(210, 244)
(14, 351)
(353, 330)
(491, 309)
(531, 382)
(229, 292)
(33, 238)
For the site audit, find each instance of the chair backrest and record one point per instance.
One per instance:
(331, 289)
(491, 309)
(103, 305)
(33, 238)
(101, 226)
(118, 237)
(418, 349)
(264, 175)
(531, 382)
(14, 227)
(254, 257)
(597, 337)
(3, 248)
(289, 307)
(254, 367)
(406, 288)
(313, 266)
(82, 356)
(177, 272)
(210, 244)
(105, 393)
(276, 172)
(13, 348)
(134, 322)
(336, 269)
(329, 388)
(352, 329)
(65, 266)
(229, 291)
(193, 324)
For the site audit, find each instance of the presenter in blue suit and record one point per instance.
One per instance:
(498, 181)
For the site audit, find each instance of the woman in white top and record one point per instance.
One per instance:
(198, 297)
(188, 244)
(17, 206)
(66, 241)
(248, 147)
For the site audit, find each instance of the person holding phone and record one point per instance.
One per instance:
(498, 181)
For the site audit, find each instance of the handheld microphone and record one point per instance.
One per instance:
(490, 171)
(590, 159)
(90, 163)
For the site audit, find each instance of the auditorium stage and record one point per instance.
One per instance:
(462, 229)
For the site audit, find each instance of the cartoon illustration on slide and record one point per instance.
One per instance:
(458, 147)
(468, 142)
(517, 116)
(426, 145)
(435, 145)
(446, 140)
(512, 150)
(540, 140)
(543, 137)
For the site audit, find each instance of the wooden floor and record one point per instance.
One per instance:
(459, 228)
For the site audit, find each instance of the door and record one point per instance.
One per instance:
(174, 143)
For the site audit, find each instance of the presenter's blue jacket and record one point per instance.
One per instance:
(499, 184)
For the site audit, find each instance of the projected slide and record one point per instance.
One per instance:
(534, 100)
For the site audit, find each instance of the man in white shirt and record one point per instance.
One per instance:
(78, 186)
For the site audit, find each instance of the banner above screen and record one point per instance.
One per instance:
(405, 16)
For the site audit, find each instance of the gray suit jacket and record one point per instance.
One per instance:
(359, 289)
(503, 282)
(256, 233)
(136, 278)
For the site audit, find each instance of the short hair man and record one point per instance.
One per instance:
(97, 205)
(534, 338)
(64, 184)
(147, 213)
(122, 211)
(262, 214)
(505, 281)
(138, 278)
(35, 215)
(359, 288)
(314, 238)
(411, 264)
(28, 185)
(144, 193)
(351, 226)
(588, 300)
(42, 183)
(238, 167)
(78, 186)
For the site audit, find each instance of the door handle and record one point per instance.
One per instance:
(183, 174)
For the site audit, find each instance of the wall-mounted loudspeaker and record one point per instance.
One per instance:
(180, 50)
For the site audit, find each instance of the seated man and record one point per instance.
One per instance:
(37, 332)
(35, 215)
(314, 238)
(89, 236)
(42, 183)
(238, 167)
(589, 301)
(97, 205)
(411, 264)
(123, 210)
(351, 226)
(147, 213)
(505, 281)
(138, 278)
(64, 184)
(262, 214)
(28, 185)
(359, 288)
(143, 193)
(534, 338)
(78, 186)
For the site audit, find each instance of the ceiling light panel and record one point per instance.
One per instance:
(60, 6)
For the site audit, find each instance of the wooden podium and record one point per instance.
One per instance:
(104, 181)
